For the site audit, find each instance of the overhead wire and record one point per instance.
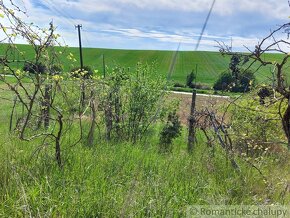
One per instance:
(173, 62)
(202, 32)
(53, 8)
(204, 25)
(69, 19)
(174, 57)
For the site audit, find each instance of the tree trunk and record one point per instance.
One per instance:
(191, 127)
(57, 141)
(118, 115)
(286, 123)
(93, 122)
(83, 94)
(46, 112)
(109, 118)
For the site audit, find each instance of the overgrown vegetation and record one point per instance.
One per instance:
(81, 145)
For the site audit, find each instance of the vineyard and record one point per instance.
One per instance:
(110, 139)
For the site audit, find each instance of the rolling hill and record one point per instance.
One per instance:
(209, 64)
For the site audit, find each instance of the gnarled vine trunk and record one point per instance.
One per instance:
(286, 123)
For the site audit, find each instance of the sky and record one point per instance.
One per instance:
(159, 24)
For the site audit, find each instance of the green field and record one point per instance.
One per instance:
(210, 64)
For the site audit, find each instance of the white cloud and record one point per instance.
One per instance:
(188, 41)
(273, 8)
(85, 6)
(68, 13)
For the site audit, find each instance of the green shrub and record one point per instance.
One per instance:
(34, 68)
(132, 102)
(246, 80)
(200, 86)
(40, 68)
(235, 83)
(170, 131)
(55, 69)
(264, 93)
(177, 84)
(223, 82)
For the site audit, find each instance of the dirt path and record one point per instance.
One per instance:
(202, 101)
(205, 95)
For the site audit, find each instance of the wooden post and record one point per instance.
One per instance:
(191, 126)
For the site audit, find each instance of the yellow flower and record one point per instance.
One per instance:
(57, 78)
(18, 72)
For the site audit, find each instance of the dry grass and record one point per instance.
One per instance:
(202, 102)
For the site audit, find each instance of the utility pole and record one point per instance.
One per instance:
(83, 91)
(79, 26)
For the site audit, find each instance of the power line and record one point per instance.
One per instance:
(67, 17)
(173, 62)
(86, 38)
(204, 25)
(63, 13)
(52, 8)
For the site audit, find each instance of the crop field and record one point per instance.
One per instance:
(209, 64)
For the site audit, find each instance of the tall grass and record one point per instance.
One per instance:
(112, 180)
(123, 179)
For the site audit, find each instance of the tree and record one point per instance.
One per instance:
(190, 79)
(236, 79)
(277, 41)
(242, 82)
(224, 82)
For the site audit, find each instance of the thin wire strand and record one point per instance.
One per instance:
(66, 16)
(173, 63)
(204, 25)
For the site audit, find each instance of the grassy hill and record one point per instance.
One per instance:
(210, 64)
